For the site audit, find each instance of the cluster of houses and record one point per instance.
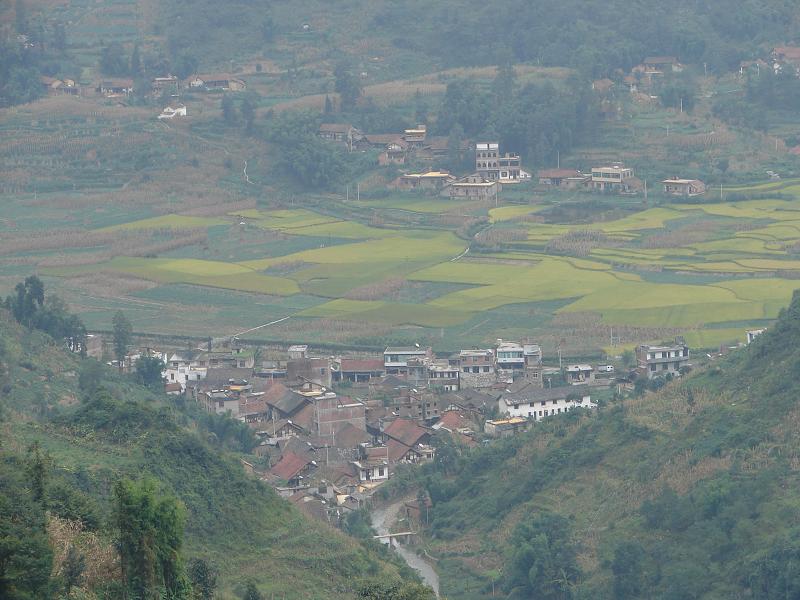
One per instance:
(617, 179)
(330, 429)
(493, 169)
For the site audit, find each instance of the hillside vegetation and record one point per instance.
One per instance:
(691, 492)
(71, 430)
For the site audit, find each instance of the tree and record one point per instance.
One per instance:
(251, 592)
(455, 158)
(150, 537)
(348, 85)
(135, 68)
(394, 590)
(185, 65)
(228, 110)
(627, 570)
(113, 61)
(122, 337)
(149, 372)
(267, 28)
(59, 36)
(248, 111)
(26, 558)
(203, 578)
(21, 16)
(28, 299)
(328, 105)
(627, 358)
(543, 562)
(38, 469)
(73, 569)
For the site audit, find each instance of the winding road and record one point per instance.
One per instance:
(382, 518)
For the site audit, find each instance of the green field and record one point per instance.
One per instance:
(737, 270)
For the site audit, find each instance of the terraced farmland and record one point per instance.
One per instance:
(361, 277)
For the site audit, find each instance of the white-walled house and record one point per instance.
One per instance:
(170, 112)
(183, 368)
(540, 403)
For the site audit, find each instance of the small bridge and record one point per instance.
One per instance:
(390, 536)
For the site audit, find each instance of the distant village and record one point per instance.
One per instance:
(493, 168)
(332, 429)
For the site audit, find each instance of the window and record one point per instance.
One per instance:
(652, 368)
(380, 471)
(485, 369)
(466, 369)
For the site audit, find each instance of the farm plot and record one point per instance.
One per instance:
(198, 272)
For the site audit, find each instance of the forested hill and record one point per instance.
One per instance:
(597, 37)
(71, 430)
(691, 492)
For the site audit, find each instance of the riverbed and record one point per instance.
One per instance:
(382, 518)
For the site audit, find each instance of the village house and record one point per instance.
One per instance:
(433, 374)
(115, 87)
(476, 404)
(415, 136)
(183, 367)
(477, 368)
(515, 356)
(372, 464)
(332, 413)
(340, 132)
(473, 187)
(501, 428)
(288, 404)
(659, 65)
(538, 404)
(429, 181)
(395, 359)
(220, 402)
(170, 112)
(310, 370)
(407, 441)
(357, 370)
(686, 188)
(292, 467)
(159, 84)
(752, 334)
(579, 374)
(657, 361)
(614, 178)
(786, 55)
(491, 165)
(568, 179)
(54, 87)
(437, 148)
(217, 81)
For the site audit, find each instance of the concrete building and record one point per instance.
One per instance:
(537, 404)
(510, 355)
(506, 427)
(753, 334)
(491, 165)
(579, 374)
(613, 178)
(477, 368)
(474, 187)
(395, 359)
(658, 361)
(686, 188)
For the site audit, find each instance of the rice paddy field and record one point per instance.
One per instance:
(707, 271)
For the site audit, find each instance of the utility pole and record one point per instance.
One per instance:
(358, 191)
(558, 159)
(347, 188)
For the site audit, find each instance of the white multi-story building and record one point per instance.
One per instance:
(658, 361)
(540, 403)
(395, 359)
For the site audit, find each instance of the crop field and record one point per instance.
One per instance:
(106, 226)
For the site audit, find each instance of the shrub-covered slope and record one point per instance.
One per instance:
(234, 522)
(691, 492)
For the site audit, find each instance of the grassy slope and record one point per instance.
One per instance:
(725, 440)
(237, 522)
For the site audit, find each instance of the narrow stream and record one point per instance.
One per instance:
(381, 519)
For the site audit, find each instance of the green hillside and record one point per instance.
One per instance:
(690, 492)
(90, 438)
